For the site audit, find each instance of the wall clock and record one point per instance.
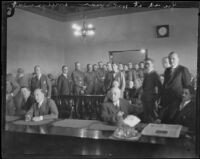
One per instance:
(162, 31)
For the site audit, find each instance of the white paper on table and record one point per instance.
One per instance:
(162, 130)
(131, 120)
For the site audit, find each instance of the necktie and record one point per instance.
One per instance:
(172, 70)
(181, 105)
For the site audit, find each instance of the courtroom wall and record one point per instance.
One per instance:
(33, 39)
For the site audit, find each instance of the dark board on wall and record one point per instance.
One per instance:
(126, 56)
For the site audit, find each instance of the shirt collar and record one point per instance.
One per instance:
(173, 67)
(39, 76)
(116, 103)
(39, 105)
(185, 103)
(64, 74)
(150, 71)
(21, 75)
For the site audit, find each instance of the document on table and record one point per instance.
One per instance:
(74, 123)
(12, 118)
(23, 122)
(162, 130)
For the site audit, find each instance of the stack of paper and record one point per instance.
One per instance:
(162, 130)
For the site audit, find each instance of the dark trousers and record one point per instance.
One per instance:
(150, 111)
(10, 107)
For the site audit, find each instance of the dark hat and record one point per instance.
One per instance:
(50, 76)
(20, 70)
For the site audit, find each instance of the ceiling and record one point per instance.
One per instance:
(69, 11)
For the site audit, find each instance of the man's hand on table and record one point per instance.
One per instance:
(120, 114)
(37, 118)
(120, 118)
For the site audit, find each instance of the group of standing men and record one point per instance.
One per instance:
(169, 101)
(99, 79)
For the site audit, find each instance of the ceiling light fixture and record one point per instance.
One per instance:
(84, 30)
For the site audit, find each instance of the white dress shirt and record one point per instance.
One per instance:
(182, 105)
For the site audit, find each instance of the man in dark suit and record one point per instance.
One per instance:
(120, 78)
(108, 78)
(141, 71)
(175, 78)
(27, 102)
(184, 114)
(96, 81)
(41, 81)
(116, 109)
(89, 80)
(43, 108)
(63, 82)
(151, 90)
(12, 89)
(101, 77)
(22, 81)
(132, 81)
(78, 80)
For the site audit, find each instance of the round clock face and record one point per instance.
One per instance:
(162, 31)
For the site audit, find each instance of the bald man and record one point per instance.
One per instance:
(116, 109)
(44, 108)
(175, 78)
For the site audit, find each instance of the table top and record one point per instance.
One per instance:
(92, 129)
(78, 138)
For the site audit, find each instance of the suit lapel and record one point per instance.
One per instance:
(186, 109)
(41, 80)
(43, 106)
(173, 74)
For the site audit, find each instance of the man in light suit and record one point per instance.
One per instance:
(175, 78)
(41, 81)
(116, 109)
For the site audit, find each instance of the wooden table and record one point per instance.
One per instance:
(50, 140)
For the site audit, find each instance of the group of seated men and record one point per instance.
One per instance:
(170, 101)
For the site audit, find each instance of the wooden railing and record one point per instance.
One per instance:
(79, 107)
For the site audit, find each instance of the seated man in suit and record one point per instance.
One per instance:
(44, 108)
(27, 102)
(12, 89)
(184, 114)
(116, 108)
